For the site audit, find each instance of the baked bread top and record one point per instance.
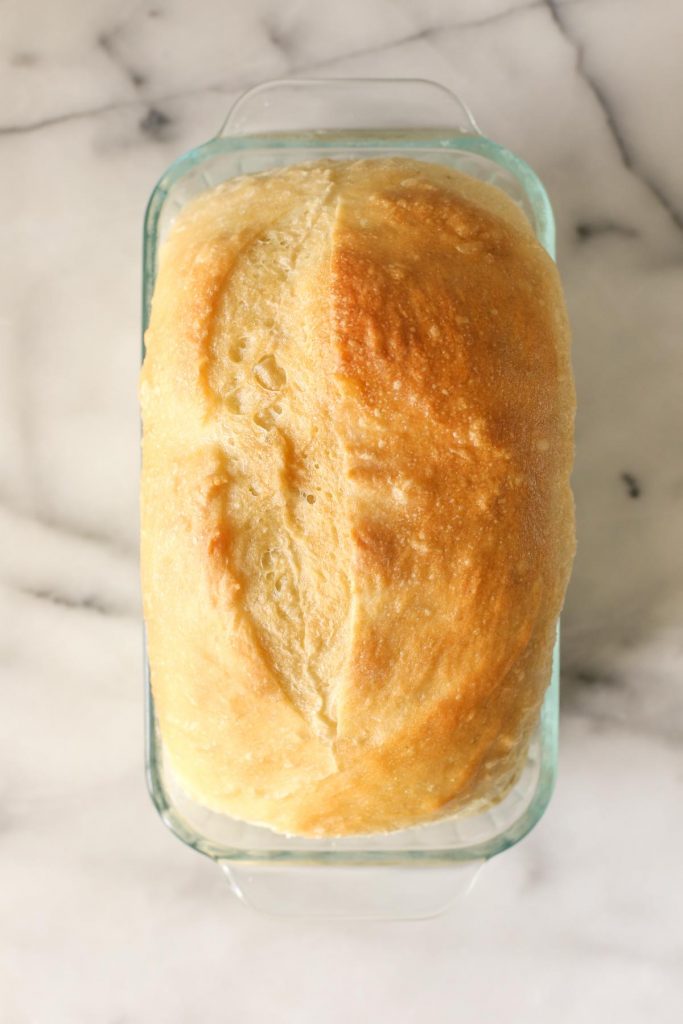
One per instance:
(357, 525)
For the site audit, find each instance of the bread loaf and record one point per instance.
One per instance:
(357, 525)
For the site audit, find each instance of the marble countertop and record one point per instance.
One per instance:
(104, 917)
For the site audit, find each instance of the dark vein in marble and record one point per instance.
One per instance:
(107, 43)
(667, 732)
(625, 154)
(50, 522)
(633, 487)
(589, 229)
(105, 108)
(155, 124)
(88, 602)
(584, 685)
(131, 104)
(283, 40)
(491, 19)
(428, 34)
(73, 115)
(588, 676)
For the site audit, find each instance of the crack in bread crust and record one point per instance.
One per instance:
(276, 407)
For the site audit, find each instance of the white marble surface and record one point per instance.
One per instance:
(104, 917)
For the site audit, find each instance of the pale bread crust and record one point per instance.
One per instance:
(357, 524)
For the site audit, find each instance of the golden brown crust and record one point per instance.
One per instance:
(357, 527)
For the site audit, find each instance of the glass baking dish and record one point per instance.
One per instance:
(415, 872)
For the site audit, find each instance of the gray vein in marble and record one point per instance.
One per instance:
(86, 602)
(281, 39)
(151, 127)
(489, 19)
(633, 486)
(107, 43)
(667, 733)
(592, 677)
(69, 529)
(426, 34)
(72, 115)
(155, 124)
(587, 230)
(626, 155)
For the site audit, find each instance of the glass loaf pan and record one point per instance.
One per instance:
(415, 872)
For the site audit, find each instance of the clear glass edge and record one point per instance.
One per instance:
(549, 720)
(367, 86)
